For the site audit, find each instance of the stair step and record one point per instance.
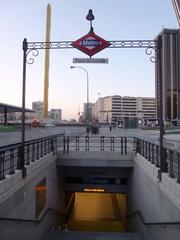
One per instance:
(96, 225)
(76, 235)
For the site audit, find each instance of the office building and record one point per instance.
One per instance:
(38, 108)
(56, 114)
(115, 108)
(170, 60)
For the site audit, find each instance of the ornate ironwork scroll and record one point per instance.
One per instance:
(34, 52)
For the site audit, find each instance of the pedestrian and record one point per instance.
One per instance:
(110, 127)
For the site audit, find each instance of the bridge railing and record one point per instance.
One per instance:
(151, 152)
(34, 150)
(98, 143)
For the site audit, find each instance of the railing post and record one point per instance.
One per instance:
(77, 143)
(122, 145)
(112, 144)
(55, 143)
(152, 149)
(64, 145)
(27, 155)
(33, 153)
(157, 156)
(143, 148)
(11, 161)
(146, 155)
(51, 145)
(102, 143)
(125, 145)
(67, 149)
(41, 151)
(171, 171)
(48, 150)
(137, 145)
(178, 168)
(2, 175)
(37, 150)
(149, 151)
(140, 145)
(86, 143)
(45, 146)
(19, 153)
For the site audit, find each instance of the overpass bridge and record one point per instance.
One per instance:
(59, 168)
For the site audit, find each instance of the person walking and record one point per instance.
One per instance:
(110, 127)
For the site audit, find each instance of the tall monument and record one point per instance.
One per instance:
(46, 66)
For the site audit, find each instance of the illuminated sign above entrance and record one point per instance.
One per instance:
(95, 190)
(90, 44)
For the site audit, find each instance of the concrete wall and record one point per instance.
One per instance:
(158, 201)
(17, 200)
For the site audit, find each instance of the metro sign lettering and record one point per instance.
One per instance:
(90, 44)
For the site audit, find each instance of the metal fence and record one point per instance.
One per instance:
(99, 143)
(151, 152)
(34, 150)
(10, 155)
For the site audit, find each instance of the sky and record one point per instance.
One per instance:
(128, 73)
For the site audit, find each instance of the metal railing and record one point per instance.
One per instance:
(151, 152)
(99, 143)
(34, 150)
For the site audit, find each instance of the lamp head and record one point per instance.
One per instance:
(90, 16)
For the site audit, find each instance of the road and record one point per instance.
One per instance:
(11, 137)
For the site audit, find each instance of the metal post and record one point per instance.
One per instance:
(87, 104)
(161, 123)
(22, 159)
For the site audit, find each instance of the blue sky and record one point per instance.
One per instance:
(129, 72)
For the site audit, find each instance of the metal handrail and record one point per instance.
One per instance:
(33, 220)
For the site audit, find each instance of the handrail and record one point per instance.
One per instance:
(33, 220)
(137, 212)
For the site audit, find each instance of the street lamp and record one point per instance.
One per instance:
(87, 78)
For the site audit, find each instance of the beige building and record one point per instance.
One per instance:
(38, 108)
(115, 108)
(56, 114)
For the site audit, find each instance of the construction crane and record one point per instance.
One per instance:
(176, 5)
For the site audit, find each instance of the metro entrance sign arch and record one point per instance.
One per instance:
(90, 44)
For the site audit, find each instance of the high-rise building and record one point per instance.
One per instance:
(115, 108)
(170, 60)
(56, 114)
(87, 111)
(38, 108)
(176, 4)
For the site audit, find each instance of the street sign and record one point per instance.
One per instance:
(90, 60)
(90, 44)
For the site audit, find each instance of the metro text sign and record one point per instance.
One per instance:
(90, 44)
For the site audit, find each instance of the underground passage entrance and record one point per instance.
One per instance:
(96, 212)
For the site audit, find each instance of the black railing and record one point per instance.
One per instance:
(151, 152)
(34, 150)
(100, 143)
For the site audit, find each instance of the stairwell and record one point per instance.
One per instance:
(83, 235)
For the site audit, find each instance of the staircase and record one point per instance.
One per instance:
(76, 235)
(96, 225)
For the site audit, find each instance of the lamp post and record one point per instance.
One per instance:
(87, 104)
